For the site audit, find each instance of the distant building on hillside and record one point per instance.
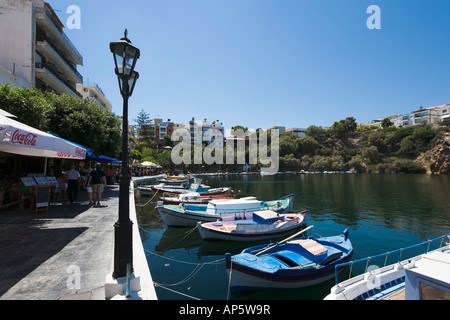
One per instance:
(432, 115)
(279, 128)
(299, 132)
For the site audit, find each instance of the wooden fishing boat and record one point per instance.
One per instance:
(186, 215)
(149, 190)
(193, 198)
(157, 191)
(289, 264)
(167, 181)
(265, 224)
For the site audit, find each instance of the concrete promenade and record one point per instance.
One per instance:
(66, 253)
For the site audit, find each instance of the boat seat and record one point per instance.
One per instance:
(310, 245)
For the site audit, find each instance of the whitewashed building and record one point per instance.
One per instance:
(35, 49)
(95, 93)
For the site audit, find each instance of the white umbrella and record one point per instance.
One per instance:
(19, 138)
(6, 114)
(148, 164)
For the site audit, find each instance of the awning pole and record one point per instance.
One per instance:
(45, 167)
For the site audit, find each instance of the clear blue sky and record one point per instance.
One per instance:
(261, 63)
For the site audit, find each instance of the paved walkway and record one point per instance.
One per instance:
(67, 251)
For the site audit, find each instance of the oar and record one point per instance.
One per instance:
(285, 240)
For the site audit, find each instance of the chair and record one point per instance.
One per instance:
(60, 191)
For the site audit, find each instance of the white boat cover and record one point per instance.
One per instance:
(19, 138)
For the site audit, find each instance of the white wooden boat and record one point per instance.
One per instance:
(266, 224)
(425, 276)
(193, 198)
(226, 209)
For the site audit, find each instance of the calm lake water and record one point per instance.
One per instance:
(383, 213)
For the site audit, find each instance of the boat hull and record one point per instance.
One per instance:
(160, 192)
(246, 277)
(380, 283)
(243, 281)
(173, 218)
(202, 200)
(234, 232)
(177, 217)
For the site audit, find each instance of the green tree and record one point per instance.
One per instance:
(31, 106)
(423, 135)
(288, 144)
(316, 132)
(306, 162)
(344, 128)
(290, 163)
(371, 154)
(357, 163)
(386, 122)
(84, 122)
(144, 129)
(377, 138)
(135, 154)
(308, 145)
(245, 129)
(408, 147)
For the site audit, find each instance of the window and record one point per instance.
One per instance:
(430, 292)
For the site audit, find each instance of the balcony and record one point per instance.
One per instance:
(48, 48)
(45, 22)
(50, 75)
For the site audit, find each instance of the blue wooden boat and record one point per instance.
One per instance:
(290, 264)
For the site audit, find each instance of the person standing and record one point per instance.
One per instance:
(98, 181)
(72, 183)
(109, 174)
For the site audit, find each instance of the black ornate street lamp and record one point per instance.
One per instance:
(125, 57)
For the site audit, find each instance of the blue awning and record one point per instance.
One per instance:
(104, 159)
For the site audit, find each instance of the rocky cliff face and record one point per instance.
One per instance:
(437, 159)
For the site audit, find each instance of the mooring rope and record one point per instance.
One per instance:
(141, 206)
(198, 267)
(186, 262)
(181, 293)
(229, 280)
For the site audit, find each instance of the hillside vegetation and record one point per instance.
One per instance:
(389, 149)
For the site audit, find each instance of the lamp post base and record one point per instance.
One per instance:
(123, 248)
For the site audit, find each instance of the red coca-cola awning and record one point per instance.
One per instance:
(19, 138)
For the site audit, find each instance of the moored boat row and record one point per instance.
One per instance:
(186, 215)
(298, 261)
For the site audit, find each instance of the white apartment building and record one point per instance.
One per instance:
(95, 93)
(203, 131)
(15, 81)
(432, 115)
(34, 48)
(164, 128)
